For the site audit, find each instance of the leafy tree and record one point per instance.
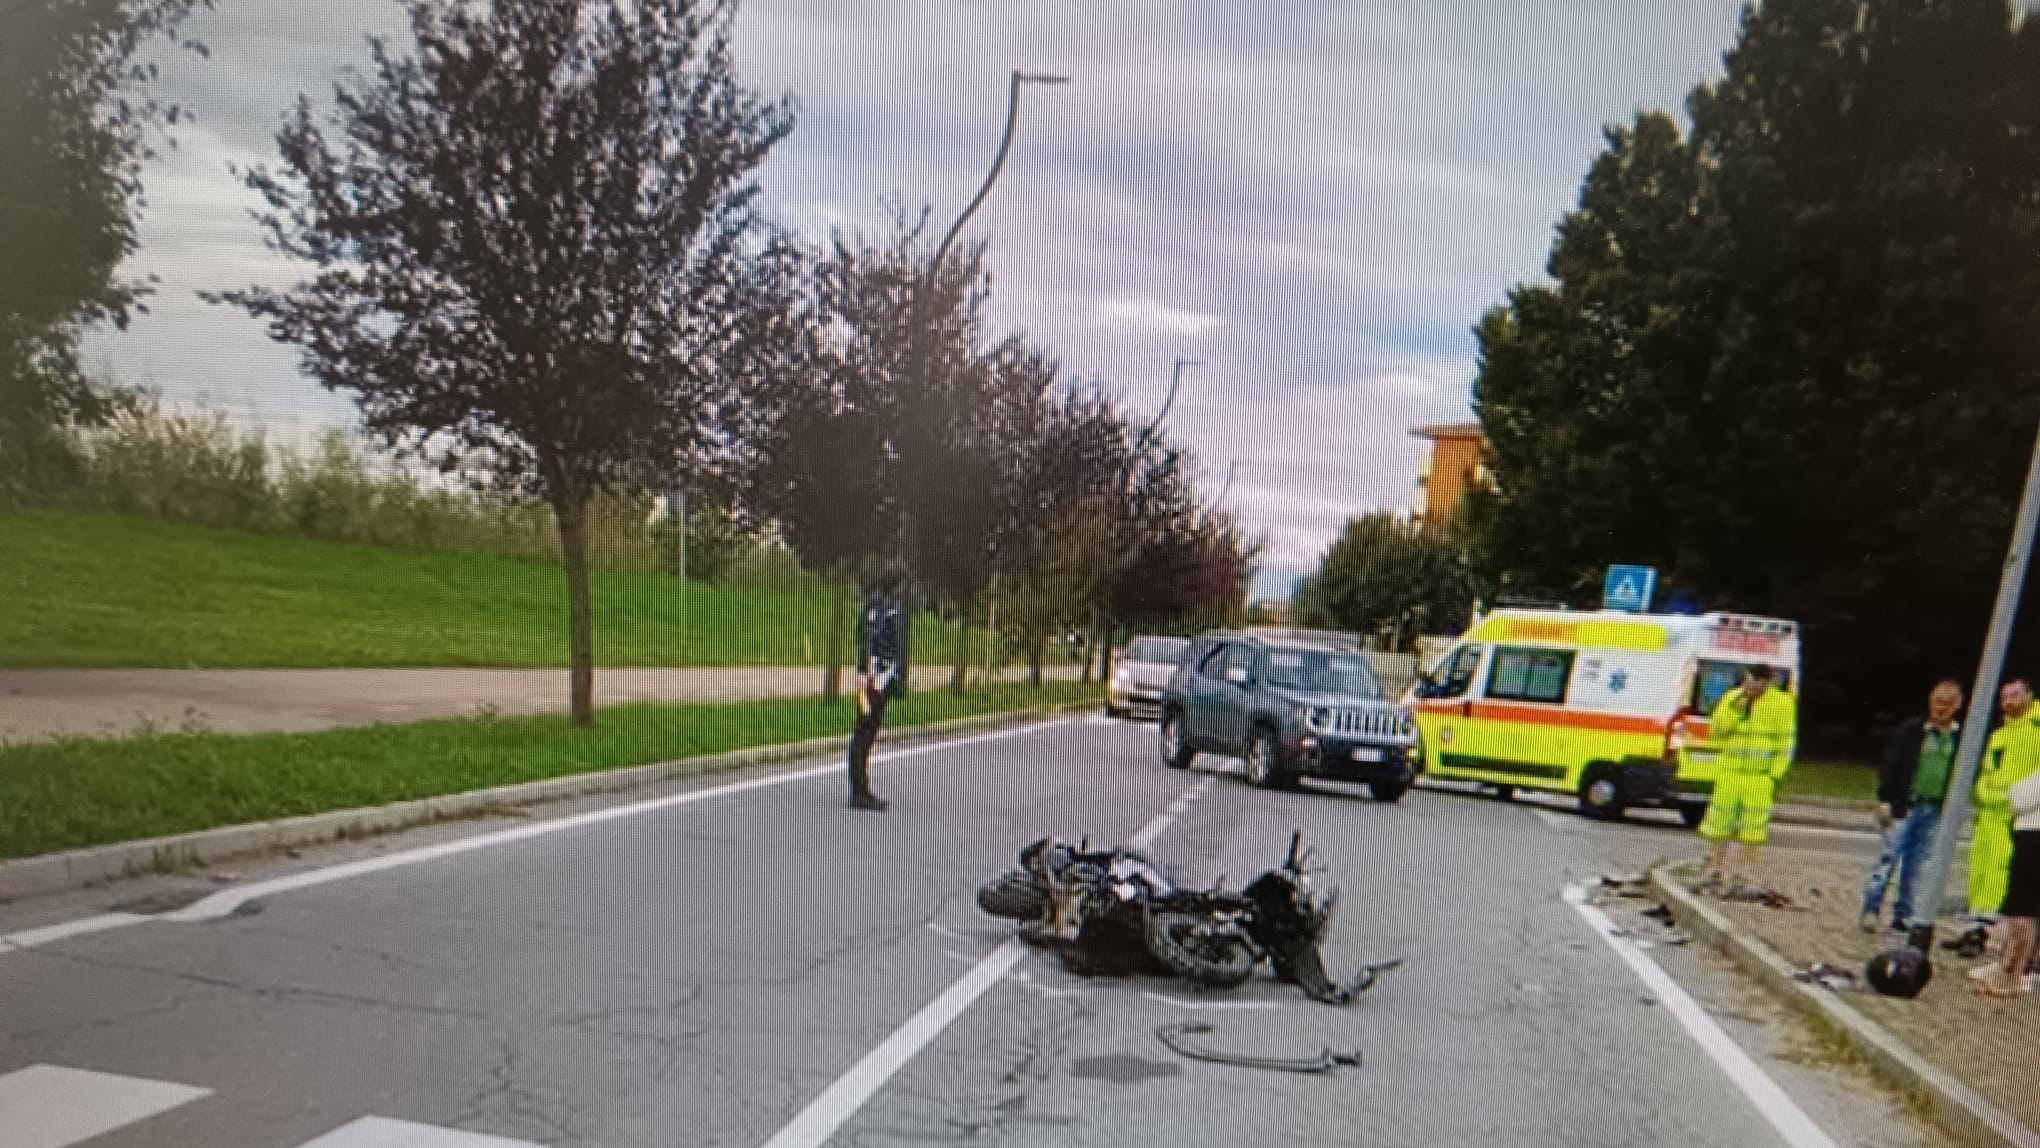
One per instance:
(1382, 574)
(76, 122)
(535, 250)
(1791, 358)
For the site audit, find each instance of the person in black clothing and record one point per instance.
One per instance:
(1912, 782)
(880, 642)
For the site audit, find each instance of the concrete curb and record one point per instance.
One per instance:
(57, 872)
(1956, 1107)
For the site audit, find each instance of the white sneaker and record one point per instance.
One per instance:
(1984, 972)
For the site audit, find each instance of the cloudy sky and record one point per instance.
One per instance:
(1315, 200)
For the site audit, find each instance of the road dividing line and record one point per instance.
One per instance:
(45, 1106)
(382, 1132)
(30, 938)
(1771, 1101)
(852, 1090)
(841, 1100)
(1144, 837)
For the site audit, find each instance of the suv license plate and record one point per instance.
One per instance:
(1367, 753)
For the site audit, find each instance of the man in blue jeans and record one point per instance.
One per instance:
(1912, 782)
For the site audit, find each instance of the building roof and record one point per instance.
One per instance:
(1448, 430)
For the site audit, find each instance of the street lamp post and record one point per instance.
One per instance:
(918, 318)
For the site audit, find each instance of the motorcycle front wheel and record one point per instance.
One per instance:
(1017, 896)
(1192, 948)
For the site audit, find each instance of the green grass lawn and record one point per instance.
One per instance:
(1849, 779)
(78, 792)
(107, 590)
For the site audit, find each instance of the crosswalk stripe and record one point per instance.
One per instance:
(382, 1132)
(46, 1106)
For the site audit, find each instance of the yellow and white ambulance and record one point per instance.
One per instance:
(1606, 705)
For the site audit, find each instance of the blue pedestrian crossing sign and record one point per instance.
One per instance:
(1628, 588)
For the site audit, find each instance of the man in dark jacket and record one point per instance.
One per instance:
(1912, 782)
(881, 641)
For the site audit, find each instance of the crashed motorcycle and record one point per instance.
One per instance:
(1114, 911)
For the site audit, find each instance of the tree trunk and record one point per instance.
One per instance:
(961, 669)
(571, 514)
(1034, 653)
(1105, 654)
(832, 652)
(1090, 648)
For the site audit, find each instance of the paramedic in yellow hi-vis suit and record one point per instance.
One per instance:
(1990, 846)
(1753, 728)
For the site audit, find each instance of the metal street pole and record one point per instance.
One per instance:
(917, 307)
(1955, 810)
(1175, 382)
(676, 503)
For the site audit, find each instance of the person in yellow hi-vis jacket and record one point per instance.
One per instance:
(2013, 753)
(1755, 727)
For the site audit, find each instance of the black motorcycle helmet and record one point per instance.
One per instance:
(1899, 972)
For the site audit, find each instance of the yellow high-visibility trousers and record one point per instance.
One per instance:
(1990, 861)
(1740, 808)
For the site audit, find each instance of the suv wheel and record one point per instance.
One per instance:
(1601, 793)
(1387, 792)
(1263, 772)
(1176, 753)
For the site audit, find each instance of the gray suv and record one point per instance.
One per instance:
(1290, 706)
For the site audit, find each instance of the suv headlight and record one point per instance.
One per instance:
(1313, 717)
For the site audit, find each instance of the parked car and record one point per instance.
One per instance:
(1290, 707)
(1135, 689)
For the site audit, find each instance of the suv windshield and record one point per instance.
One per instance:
(1321, 673)
(1162, 650)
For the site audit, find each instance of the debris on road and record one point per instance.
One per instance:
(1326, 1060)
(1829, 976)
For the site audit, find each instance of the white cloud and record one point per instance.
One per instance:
(1144, 315)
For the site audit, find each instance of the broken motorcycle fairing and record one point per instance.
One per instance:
(1113, 911)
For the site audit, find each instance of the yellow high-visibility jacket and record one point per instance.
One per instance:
(1761, 742)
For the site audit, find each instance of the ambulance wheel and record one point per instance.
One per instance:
(1692, 813)
(1505, 793)
(1601, 795)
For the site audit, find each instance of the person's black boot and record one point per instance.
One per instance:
(868, 801)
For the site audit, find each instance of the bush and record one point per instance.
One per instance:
(197, 467)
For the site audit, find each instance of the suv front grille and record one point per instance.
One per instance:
(1362, 723)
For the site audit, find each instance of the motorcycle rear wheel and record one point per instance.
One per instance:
(1017, 896)
(1190, 948)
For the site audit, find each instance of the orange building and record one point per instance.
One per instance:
(1454, 464)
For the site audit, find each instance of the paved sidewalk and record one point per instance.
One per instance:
(40, 704)
(1987, 1044)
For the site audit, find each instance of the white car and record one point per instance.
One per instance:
(1135, 689)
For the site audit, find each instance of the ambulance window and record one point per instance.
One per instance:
(1456, 676)
(1530, 675)
(1717, 678)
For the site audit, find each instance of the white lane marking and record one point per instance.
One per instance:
(1557, 820)
(45, 1106)
(1145, 836)
(30, 938)
(1771, 1101)
(841, 1100)
(382, 1132)
(826, 1113)
(225, 901)
(1213, 1006)
(942, 930)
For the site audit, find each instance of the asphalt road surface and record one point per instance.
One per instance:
(757, 965)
